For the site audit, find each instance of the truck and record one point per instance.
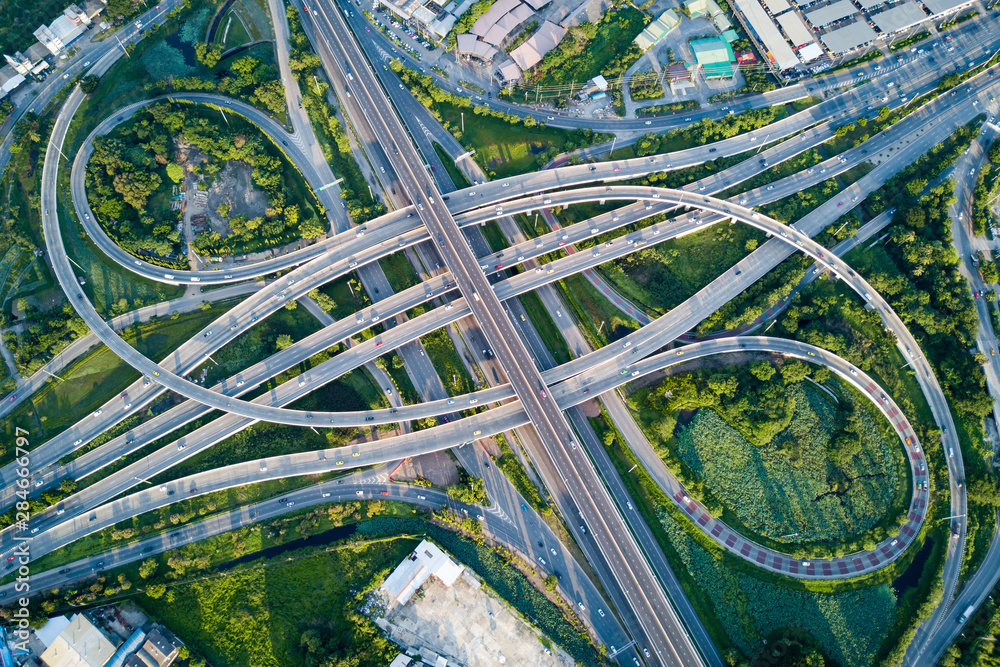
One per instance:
(966, 614)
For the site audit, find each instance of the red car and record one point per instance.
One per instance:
(383, 493)
(378, 344)
(617, 169)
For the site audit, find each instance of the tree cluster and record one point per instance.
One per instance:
(246, 78)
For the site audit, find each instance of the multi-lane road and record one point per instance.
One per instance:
(558, 456)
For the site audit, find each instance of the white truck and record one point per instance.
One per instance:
(966, 614)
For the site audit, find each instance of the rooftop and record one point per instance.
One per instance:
(81, 644)
(899, 17)
(426, 560)
(849, 37)
(831, 13)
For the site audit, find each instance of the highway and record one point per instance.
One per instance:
(55, 528)
(462, 257)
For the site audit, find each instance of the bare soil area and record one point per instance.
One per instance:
(437, 468)
(234, 186)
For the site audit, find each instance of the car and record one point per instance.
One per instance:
(770, 187)
(553, 551)
(894, 543)
(617, 169)
(451, 401)
(580, 605)
(543, 394)
(840, 203)
(541, 560)
(360, 493)
(208, 333)
(356, 454)
(649, 122)
(378, 344)
(383, 493)
(477, 432)
(78, 443)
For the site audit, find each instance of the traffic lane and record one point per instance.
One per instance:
(435, 223)
(168, 421)
(307, 463)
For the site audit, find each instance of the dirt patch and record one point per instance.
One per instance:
(234, 187)
(466, 624)
(188, 155)
(437, 467)
(591, 408)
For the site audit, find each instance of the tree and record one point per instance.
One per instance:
(89, 83)
(397, 361)
(175, 172)
(156, 591)
(283, 341)
(208, 54)
(147, 568)
(794, 371)
(762, 370)
(551, 582)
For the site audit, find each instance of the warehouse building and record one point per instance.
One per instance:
(898, 18)
(657, 30)
(762, 25)
(715, 57)
(426, 560)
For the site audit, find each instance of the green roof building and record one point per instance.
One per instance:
(715, 56)
(657, 30)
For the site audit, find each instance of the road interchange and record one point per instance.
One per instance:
(71, 297)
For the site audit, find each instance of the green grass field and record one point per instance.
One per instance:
(100, 374)
(546, 327)
(600, 320)
(399, 272)
(503, 148)
(447, 362)
(659, 278)
(457, 177)
(257, 616)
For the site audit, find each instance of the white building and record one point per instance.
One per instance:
(81, 644)
(426, 560)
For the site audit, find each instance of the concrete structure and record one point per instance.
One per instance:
(777, 6)
(532, 51)
(468, 45)
(777, 49)
(52, 629)
(898, 18)
(831, 13)
(810, 52)
(81, 644)
(158, 650)
(715, 57)
(942, 7)
(796, 30)
(657, 30)
(848, 38)
(426, 560)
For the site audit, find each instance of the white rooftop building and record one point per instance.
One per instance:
(80, 644)
(426, 560)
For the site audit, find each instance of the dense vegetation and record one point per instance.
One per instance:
(247, 77)
(131, 166)
(589, 49)
(707, 131)
(646, 86)
(985, 190)
(774, 453)
(849, 625)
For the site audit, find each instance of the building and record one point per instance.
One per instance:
(31, 61)
(847, 39)
(715, 57)
(546, 38)
(709, 9)
(899, 18)
(81, 644)
(159, 650)
(426, 560)
(941, 7)
(657, 30)
(492, 29)
(761, 25)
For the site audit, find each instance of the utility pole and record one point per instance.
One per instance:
(123, 47)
